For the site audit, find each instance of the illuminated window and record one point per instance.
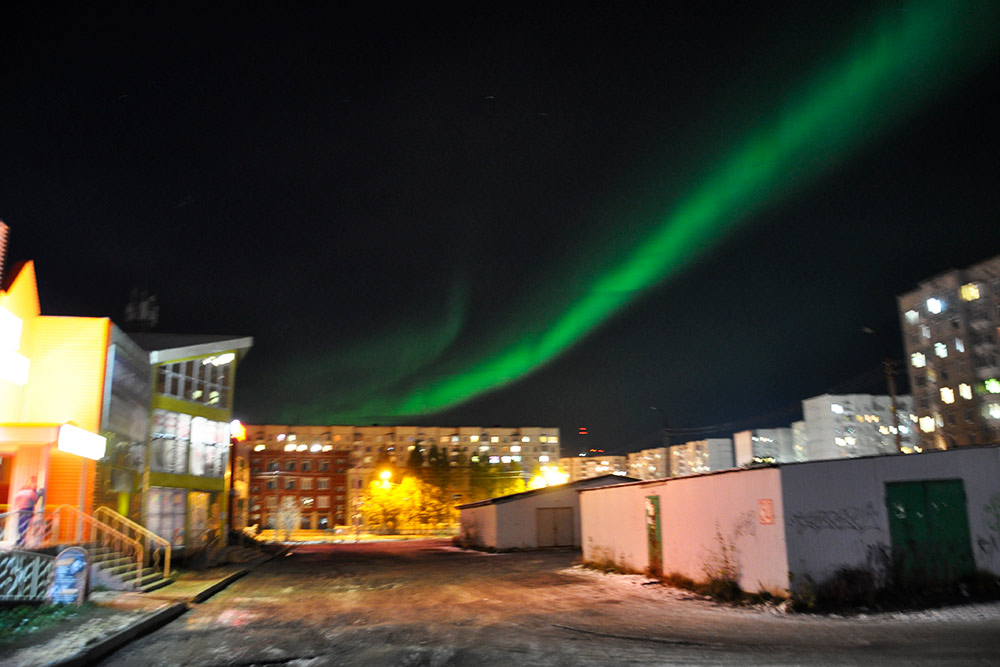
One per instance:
(941, 350)
(912, 317)
(965, 391)
(992, 386)
(970, 291)
(959, 345)
(495, 438)
(935, 305)
(474, 438)
(454, 438)
(925, 331)
(947, 395)
(927, 424)
(543, 459)
(494, 459)
(994, 410)
(515, 448)
(918, 360)
(837, 408)
(525, 439)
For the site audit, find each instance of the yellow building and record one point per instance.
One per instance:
(94, 417)
(52, 376)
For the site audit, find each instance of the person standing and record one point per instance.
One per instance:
(24, 504)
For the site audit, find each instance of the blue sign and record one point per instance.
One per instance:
(69, 582)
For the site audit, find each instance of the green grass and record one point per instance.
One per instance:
(24, 619)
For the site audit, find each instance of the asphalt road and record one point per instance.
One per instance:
(426, 603)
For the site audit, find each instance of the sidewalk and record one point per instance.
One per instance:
(121, 616)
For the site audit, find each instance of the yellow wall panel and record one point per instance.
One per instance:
(67, 371)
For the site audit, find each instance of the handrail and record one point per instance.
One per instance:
(114, 517)
(106, 532)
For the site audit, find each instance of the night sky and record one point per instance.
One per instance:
(407, 208)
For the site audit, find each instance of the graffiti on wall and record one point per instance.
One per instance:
(854, 519)
(990, 544)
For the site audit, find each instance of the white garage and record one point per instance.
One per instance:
(937, 514)
(541, 518)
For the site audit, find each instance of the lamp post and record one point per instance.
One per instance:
(890, 380)
(666, 437)
(237, 434)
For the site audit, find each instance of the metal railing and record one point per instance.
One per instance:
(25, 576)
(159, 547)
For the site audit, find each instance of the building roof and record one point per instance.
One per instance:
(170, 347)
(580, 484)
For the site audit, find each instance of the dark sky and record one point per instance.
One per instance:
(387, 200)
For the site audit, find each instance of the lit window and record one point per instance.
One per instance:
(281, 437)
(525, 439)
(454, 438)
(302, 448)
(494, 459)
(837, 408)
(970, 291)
(316, 448)
(925, 331)
(484, 448)
(965, 391)
(927, 424)
(959, 345)
(993, 386)
(995, 410)
(495, 438)
(543, 438)
(947, 395)
(515, 449)
(289, 448)
(935, 305)
(912, 317)
(291, 436)
(543, 458)
(474, 438)
(259, 448)
(918, 360)
(941, 350)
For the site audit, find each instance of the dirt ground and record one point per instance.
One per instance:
(428, 603)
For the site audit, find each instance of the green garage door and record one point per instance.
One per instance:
(929, 527)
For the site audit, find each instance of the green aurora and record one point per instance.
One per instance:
(905, 58)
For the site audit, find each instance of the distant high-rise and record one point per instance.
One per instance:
(950, 333)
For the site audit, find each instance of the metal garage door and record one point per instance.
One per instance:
(555, 526)
(929, 527)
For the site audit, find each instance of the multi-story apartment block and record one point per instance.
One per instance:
(340, 461)
(585, 467)
(699, 456)
(854, 425)
(649, 463)
(765, 445)
(950, 333)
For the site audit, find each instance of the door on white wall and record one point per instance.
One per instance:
(554, 526)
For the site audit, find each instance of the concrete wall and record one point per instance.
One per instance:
(700, 516)
(837, 510)
(478, 525)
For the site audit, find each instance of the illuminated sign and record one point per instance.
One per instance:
(13, 366)
(75, 440)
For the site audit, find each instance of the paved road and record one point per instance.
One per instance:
(425, 603)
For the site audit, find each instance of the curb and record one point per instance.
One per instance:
(108, 645)
(219, 585)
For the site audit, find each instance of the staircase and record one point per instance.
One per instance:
(118, 571)
(124, 555)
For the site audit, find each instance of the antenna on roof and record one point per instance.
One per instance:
(4, 232)
(142, 312)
